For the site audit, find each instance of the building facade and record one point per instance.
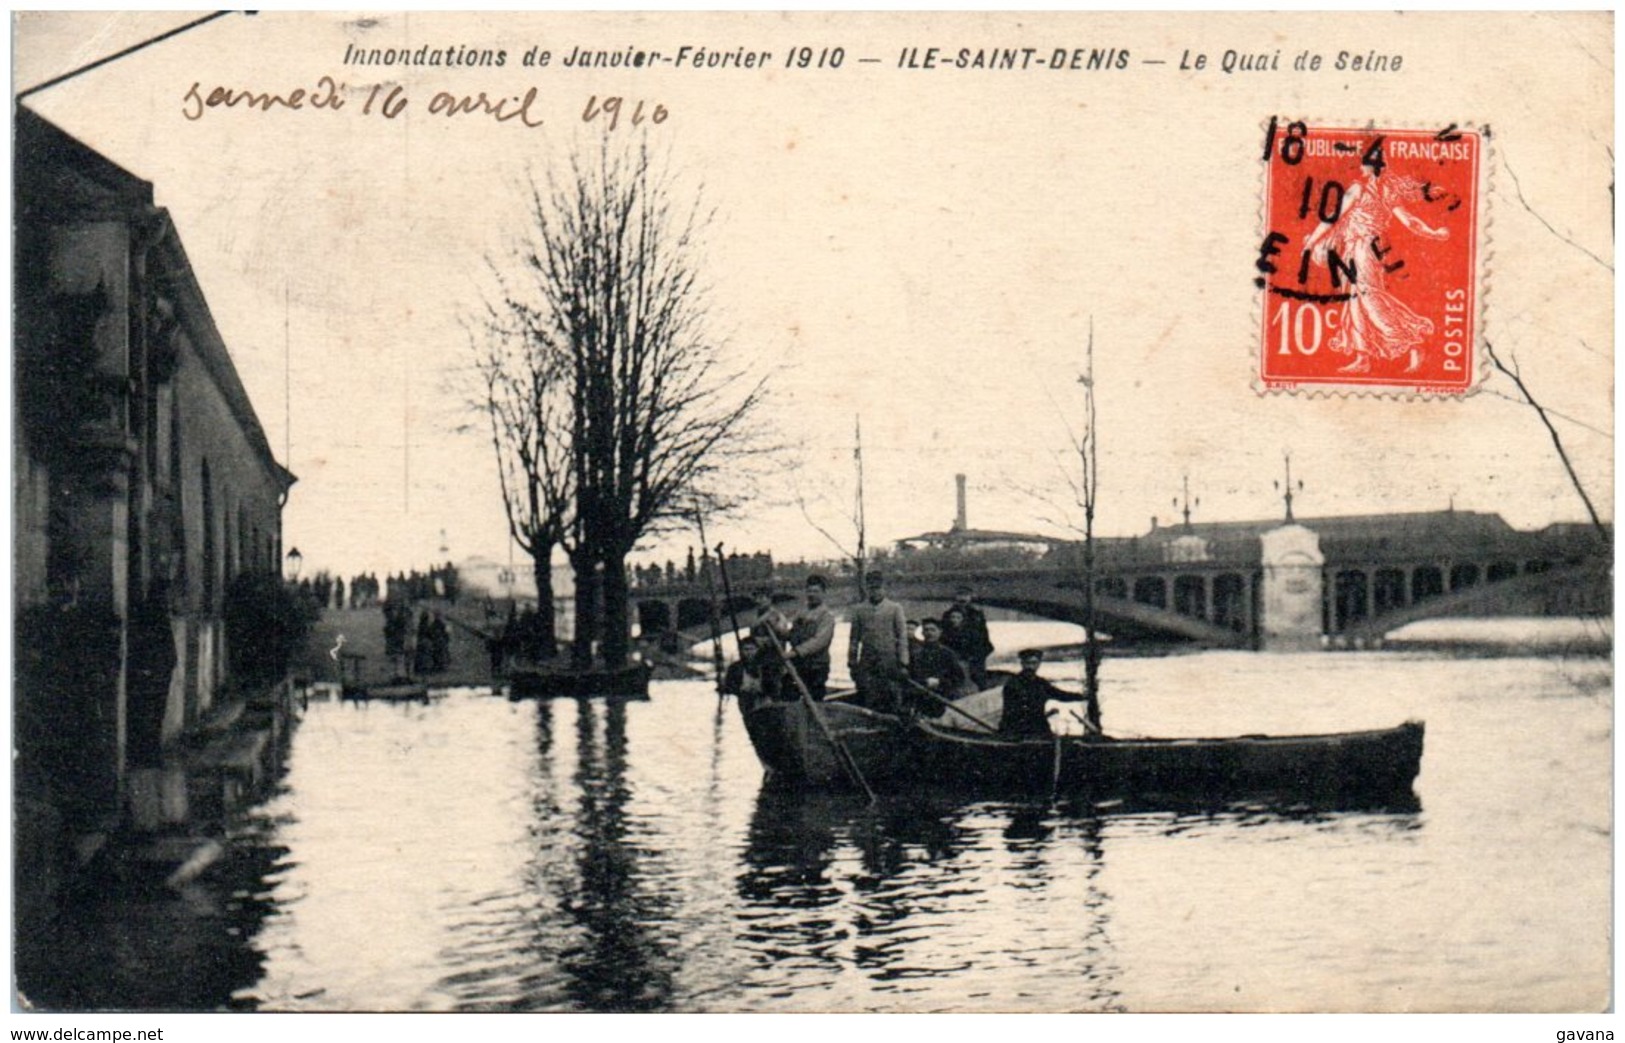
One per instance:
(143, 487)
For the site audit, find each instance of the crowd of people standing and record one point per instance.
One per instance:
(742, 569)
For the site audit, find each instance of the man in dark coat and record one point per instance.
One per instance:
(1025, 696)
(935, 668)
(744, 677)
(971, 641)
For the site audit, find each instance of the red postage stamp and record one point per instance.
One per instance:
(1369, 259)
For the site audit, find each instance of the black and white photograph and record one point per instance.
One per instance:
(812, 512)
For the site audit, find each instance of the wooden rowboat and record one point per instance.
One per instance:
(1377, 761)
(399, 691)
(893, 753)
(795, 752)
(627, 682)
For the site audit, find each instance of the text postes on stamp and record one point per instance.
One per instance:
(1369, 259)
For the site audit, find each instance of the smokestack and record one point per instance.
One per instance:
(959, 516)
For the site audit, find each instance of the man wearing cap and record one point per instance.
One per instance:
(744, 677)
(934, 667)
(769, 617)
(1025, 696)
(969, 638)
(877, 652)
(771, 628)
(914, 641)
(810, 635)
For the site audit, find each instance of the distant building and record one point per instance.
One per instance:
(142, 483)
(483, 577)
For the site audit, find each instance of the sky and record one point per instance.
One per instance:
(924, 252)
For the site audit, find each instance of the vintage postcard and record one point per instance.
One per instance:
(813, 512)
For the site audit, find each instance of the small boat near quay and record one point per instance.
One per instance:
(630, 681)
(399, 690)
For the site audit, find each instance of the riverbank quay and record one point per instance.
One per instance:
(176, 819)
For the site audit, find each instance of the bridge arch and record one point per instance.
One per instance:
(1350, 603)
(1190, 596)
(1427, 581)
(1151, 590)
(1573, 589)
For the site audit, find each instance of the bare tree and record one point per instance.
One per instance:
(1515, 374)
(627, 378)
(525, 401)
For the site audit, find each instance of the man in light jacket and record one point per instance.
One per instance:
(810, 635)
(878, 652)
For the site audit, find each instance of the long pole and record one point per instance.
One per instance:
(98, 63)
(727, 590)
(842, 754)
(711, 594)
(857, 456)
(955, 707)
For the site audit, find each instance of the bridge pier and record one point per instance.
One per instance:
(1294, 590)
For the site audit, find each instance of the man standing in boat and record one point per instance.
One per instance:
(877, 653)
(970, 639)
(1025, 696)
(810, 635)
(769, 616)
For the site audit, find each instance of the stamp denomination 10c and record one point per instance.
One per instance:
(1369, 259)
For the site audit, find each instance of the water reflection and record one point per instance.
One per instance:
(620, 962)
(125, 941)
(592, 923)
(477, 854)
(833, 888)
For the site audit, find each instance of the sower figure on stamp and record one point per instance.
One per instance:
(810, 635)
(877, 654)
(1375, 323)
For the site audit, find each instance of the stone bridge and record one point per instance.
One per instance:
(1213, 586)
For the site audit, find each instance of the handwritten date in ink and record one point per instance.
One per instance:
(612, 108)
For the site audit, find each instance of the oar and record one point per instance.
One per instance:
(950, 704)
(842, 754)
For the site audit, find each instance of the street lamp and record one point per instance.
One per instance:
(295, 559)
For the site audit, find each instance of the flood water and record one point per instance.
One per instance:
(476, 854)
